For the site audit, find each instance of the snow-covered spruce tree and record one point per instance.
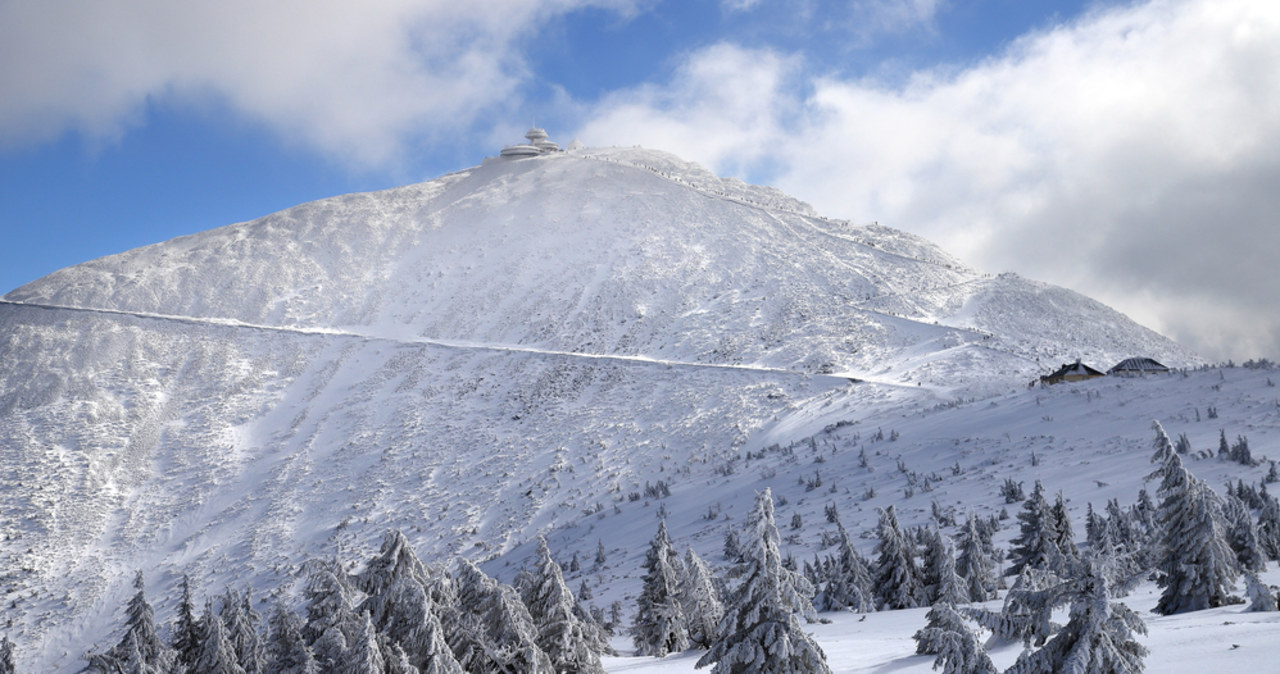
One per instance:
(562, 635)
(848, 585)
(1031, 547)
(495, 633)
(659, 627)
(216, 655)
(957, 646)
(1242, 535)
(398, 603)
(1260, 596)
(951, 588)
(394, 660)
(363, 656)
(940, 582)
(1269, 527)
(897, 581)
(140, 649)
(241, 622)
(1196, 567)
(287, 652)
(974, 565)
(186, 629)
(6, 655)
(1097, 639)
(700, 600)
(1026, 612)
(759, 632)
(1064, 539)
(331, 622)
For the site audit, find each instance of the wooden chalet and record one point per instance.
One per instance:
(1076, 371)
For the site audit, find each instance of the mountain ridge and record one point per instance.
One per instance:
(552, 332)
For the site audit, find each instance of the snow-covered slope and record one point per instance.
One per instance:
(509, 350)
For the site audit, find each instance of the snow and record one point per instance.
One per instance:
(517, 348)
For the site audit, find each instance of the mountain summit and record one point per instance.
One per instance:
(474, 360)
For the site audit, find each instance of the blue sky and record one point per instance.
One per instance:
(1123, 149)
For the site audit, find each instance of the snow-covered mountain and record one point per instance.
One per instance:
(509, 350)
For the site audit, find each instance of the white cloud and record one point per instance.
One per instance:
(1132, 155)
(352, 79)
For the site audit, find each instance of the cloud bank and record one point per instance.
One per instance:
(1133, 155)
(353, 80)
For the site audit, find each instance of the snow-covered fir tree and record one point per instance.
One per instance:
(1242, 534)
(241, 623)
(700, 600)
(848, 582)
(1035, 538)
(217, 655)
(760, 633)
(974, 565)
(286, 650)
(1261, 598)
(1063, 536)
(185, 639)
(562, 635)
(896, 578)
(363, 656)
(956, 644)
(1269, 527)
(1196, 567)
(1099, 637)
(6, 655)
(495, 633)
(331, 621)
(659, 627)
(399, 604)
(140, 649)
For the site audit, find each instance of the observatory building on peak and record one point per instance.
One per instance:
(538, 144)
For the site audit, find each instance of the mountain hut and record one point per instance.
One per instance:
(1076, 371)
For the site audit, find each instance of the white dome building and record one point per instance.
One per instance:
(538, 144)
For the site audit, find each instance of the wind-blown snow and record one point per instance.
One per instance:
(511, 350)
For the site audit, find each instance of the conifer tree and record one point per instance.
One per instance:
(1064, 542)
(363, 656)
(1260, 596)
(1196, 567)
(561, 634)
(974, 565)
(1098, 637)
(6, 656)
(759, 632)
(186, 629)
(957, 646)
(1269, 527)
(496, 633)
(140, 649)
(659, 627)
(399, 605)
(848, 581)
(897, 581)
(287, 652)
(331, 621)
(1242, 535)
(951, 588)
(241, 622)
(600, 558)
(1032, 545)
(700, 600)
(216, 655)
